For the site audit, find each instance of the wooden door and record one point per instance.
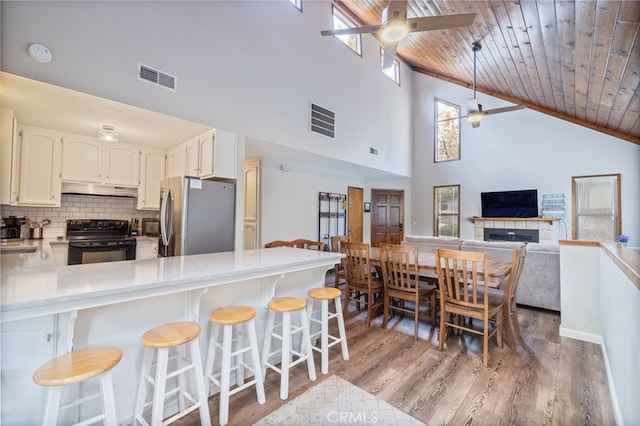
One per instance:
(354, 220)
(387, 217)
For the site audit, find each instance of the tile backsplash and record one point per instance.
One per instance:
(74, 206)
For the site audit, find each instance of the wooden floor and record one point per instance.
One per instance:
(548, 379)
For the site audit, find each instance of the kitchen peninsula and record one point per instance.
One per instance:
(46, 311)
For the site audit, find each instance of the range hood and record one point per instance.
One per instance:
(97, 189)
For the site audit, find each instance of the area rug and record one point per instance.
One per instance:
(336, 401)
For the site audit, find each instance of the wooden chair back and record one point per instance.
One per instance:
(517, 264)
(357, 264)
(399, 266)
(460, 274)
(336, 240)
(299, 243)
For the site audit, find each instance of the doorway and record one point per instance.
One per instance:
(355, 217)
(387, 217)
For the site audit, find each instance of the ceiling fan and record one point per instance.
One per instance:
(395, 26)
(475, 113)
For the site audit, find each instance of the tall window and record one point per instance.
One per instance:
(596, 207)
(446, 211)
(340, 21)
(447, 138)
(393, 72)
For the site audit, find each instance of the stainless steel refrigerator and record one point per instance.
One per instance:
(196, 216)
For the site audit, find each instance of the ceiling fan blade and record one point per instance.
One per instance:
(429, 23)
(389, 55)
(501, 110)
(354, 30)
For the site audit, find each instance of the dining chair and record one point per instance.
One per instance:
(339, 273)
(461, 274)
(508, 294)
(361, 286)
(402, 284)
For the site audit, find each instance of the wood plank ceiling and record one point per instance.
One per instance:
(575, 60)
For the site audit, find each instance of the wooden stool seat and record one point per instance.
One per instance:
(180, 337)
(287, 304)
(232, 315)
(170, 335)
(235, 323)
(77, 366)
(324, 293)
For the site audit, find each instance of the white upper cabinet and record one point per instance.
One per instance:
(121, 164)
(8, 142)
(152, 171)
(81, 159)
(38, 167)
(86, 159)
(212, 154)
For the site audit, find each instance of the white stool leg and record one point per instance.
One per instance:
(211, 357)
(324, 336)
(157, 410)
(239, 360)
(147, 360)
(266, 347)
(54, 394)
(255, 355)
(225, 373)
(286, 354)
(341, 330)
(306, 342)
(183, 381)
(194, 348)
(108, 398)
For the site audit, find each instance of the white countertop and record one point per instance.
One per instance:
(27, 291)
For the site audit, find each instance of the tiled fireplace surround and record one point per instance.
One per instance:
(74, 206)
(544, 227)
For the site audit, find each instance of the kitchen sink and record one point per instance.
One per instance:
(17, 249)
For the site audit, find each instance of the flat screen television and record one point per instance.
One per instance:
(510, 203)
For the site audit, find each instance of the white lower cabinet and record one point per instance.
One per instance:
(146, 248)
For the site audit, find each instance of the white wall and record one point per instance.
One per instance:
(515, 150)
(251, 67)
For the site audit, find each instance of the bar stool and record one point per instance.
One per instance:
(323, 295)
(225, 319)
(287, 306)
(163, 338)
(76, 367)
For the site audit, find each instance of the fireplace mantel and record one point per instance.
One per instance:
(543, 224)
(549, 220)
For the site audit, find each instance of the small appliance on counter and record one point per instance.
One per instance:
(150, 227)
(10, 228)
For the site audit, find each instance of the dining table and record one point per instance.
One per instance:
(498, 269)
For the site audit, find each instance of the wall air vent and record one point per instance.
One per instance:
(157, 77)
(323, 121)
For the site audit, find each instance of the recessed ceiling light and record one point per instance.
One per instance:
(39, 52)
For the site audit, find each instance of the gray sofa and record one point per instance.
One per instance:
(540, 280)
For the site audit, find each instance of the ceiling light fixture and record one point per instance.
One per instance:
(394, 31)
(108, 134)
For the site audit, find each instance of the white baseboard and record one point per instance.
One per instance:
(580, 335)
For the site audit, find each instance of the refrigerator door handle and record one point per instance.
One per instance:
(165, 209)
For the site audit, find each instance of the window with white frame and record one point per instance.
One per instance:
(596, 207)
(393, 72)
(446, 211)
(341, 21)
(447, 129)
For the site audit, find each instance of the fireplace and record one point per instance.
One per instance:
(508, 234)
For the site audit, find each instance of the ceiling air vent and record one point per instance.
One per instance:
(323, 121)
(157, 77)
